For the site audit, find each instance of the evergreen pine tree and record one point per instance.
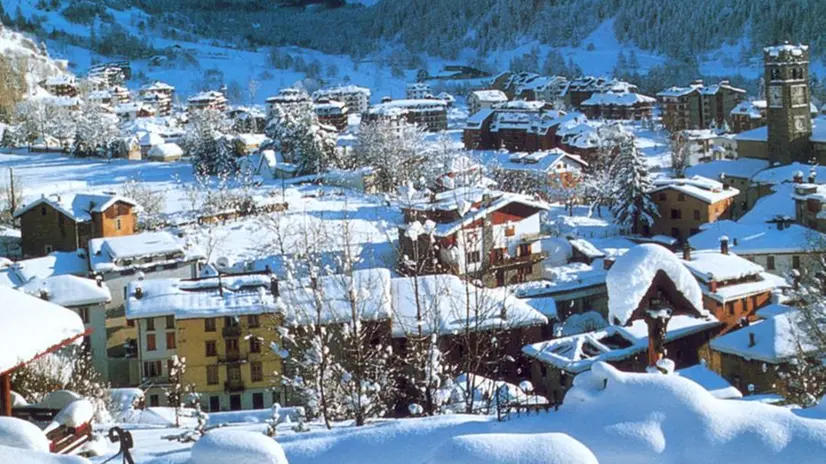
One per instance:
(621, 66)
(633, 206)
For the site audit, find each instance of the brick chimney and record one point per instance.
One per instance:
(812, 176)
(686, 251)
(607, 263)
(274, 286)
(797, 178)
(712, 283)
(139, 292)
(724, 245)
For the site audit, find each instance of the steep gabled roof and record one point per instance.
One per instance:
(77, 206)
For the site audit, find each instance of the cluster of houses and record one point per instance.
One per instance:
(705, 286)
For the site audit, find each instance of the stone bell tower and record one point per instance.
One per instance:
(787, 94)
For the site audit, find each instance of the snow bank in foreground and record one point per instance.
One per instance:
(237, 447)
(18, 433)
(503, 448)
(632, 273)
(621, 417)
(22, 456)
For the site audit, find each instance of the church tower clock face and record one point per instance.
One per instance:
(776, 96)
(800, 124)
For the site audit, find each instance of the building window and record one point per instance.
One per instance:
(130, 323)
(255, 345)
(150, 324)
(154, 401)
(42, 210)
(253, 321)
(770, 263)
(150, 342)
(170, 322)
(211, 350)
(170, 340)
(796, 262)
(84, 315)
(48, 249)
(730, 307)
(473, 257)
(676, 214)
(152, 369)
(209, 325)
(117, 224)
(696, 214)
(663, 196)
(214, 403)
(232, 345)
(212, 375)
(256, 371)
(681, 197)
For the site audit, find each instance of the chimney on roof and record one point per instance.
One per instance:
(608, 263)
(99, 280)
(139, 292)
(724, 245)
(274, 286)
(797, 178)
(752, 340)
(712, 283)
(44, 294)
(686, 251)
(812, 176)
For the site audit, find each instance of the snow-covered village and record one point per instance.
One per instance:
(488, 231)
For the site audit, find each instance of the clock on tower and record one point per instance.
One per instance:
(787, 114)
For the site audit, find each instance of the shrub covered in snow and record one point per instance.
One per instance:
(237, 447)
(504, 448)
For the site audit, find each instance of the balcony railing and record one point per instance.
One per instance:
(232, 386)
(231, 331)
(517, 260)
(233, 357)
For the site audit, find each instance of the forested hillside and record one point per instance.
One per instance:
(443, 27)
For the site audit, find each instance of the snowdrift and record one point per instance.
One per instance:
(504, 448)
(237, 447)
(620, 417)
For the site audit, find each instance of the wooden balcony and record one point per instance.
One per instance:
(232, 386)
(231, 331)
(233, 357)
(515, 261)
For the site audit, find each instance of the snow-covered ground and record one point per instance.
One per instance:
(619, 417)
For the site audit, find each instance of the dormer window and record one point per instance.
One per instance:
(42, 210)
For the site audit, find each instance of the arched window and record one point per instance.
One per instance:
(775, 74)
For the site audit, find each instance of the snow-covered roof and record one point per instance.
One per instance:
(525, 105)
(763, 283)
(193, 299)
(795, 50)
(577, 353)
(631, 276)
(678, 91)
(158, 86)
(563, 278)
(538, 161)
(495, 96)
(299, 305)
(774, 309)
(618, 99)
(133, 107)
(713, 265)
(702, 188)
(62, 79)
(758, 238)
(69, 290)
(750, 109)
(443, 298)
(54, 264)
(741, 168)
(761, 134)
(586, 248)
(206, 97)
(787, 172)
(475, 120)
(818, 131)
(32, 326)
(711, 381)
(779, 204)
(394, 106)
(474, 214)
(341, 90)
(165, 150)
(77, 206)
(133, 251)
(776, 340)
